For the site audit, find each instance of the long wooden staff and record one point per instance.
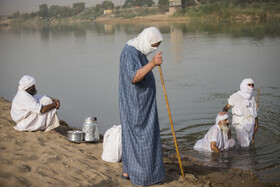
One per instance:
(253, 140)
(171, 123)
(258, 98)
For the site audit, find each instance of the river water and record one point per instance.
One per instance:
(203, 65)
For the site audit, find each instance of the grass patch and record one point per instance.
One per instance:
(226, 11)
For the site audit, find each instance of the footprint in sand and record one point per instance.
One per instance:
(23, 168)
(42, 141)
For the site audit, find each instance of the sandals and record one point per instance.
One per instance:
(124, 177)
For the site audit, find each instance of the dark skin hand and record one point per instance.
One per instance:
(45, 108)
(214, 147)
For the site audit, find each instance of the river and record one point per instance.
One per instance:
(203, 64)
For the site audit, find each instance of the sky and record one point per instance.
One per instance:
(8, 7)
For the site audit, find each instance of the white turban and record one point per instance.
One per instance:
(143, 42)
(221, 118)
(25, 82)
(245, 90)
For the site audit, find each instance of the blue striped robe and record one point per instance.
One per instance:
(141, 143)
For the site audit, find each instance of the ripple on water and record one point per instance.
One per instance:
(263, 158)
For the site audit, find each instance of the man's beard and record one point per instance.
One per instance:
(225, 128)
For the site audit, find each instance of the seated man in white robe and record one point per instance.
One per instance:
(218, 137)
(32, 112)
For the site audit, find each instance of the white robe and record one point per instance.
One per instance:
(243, 117)
(214, 135)
(25, 111)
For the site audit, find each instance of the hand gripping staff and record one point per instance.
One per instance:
(171, 123)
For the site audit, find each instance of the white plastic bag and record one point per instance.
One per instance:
(112, 144)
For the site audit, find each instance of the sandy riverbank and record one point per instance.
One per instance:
(45, 159)
(141, 19)
(104, 19)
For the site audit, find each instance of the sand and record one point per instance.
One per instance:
(46, 159)
(109, 18)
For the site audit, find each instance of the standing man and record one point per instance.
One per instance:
(218, 137)
(32, 112)
(244, 113)
(141, 143)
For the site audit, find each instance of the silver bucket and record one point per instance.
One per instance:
(75, 136)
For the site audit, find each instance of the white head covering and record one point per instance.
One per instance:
(245, 90)
(25, 82)
(221, 118)
(143, 42)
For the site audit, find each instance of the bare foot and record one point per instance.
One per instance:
(52, 132)
(125, 176)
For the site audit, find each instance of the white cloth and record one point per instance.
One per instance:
(214, 135)
(143, 42)
(25, 111)
(243, 117)
(112, 144)
(221, 118)
(245, 90)
(25, 82)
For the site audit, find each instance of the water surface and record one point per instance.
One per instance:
(203, 65)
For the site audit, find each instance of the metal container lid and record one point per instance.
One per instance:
(90, 120)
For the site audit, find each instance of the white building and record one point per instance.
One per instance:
(174, 6)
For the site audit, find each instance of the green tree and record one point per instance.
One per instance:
(108, 5)
(163, 2)
(78, 7)
(141, 3)
(43, 10)
(188, 3)
(54, 11)
(163, 5)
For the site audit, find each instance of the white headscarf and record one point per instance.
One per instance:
(245, 90)
(221, 118)
(143, 42)
(25, 82)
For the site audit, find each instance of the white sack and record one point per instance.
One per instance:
(112, 144)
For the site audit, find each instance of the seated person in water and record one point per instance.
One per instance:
(218, 137)
(32, 112)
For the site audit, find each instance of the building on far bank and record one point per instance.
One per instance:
(107, 11)
(174, 6)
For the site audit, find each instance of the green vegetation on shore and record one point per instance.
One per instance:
(198, 10)
(233, 11)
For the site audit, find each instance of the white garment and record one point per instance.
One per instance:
(214, 135)
(144, 41)
(243, 117)
(245, 90)
(26, 112)
(25, 82)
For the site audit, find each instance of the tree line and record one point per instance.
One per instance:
(56, 11)
(79, 9)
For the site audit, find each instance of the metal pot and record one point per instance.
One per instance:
(90, 127)
(75, 136)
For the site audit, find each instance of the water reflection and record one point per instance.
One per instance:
(176, 37)
(256, 31)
